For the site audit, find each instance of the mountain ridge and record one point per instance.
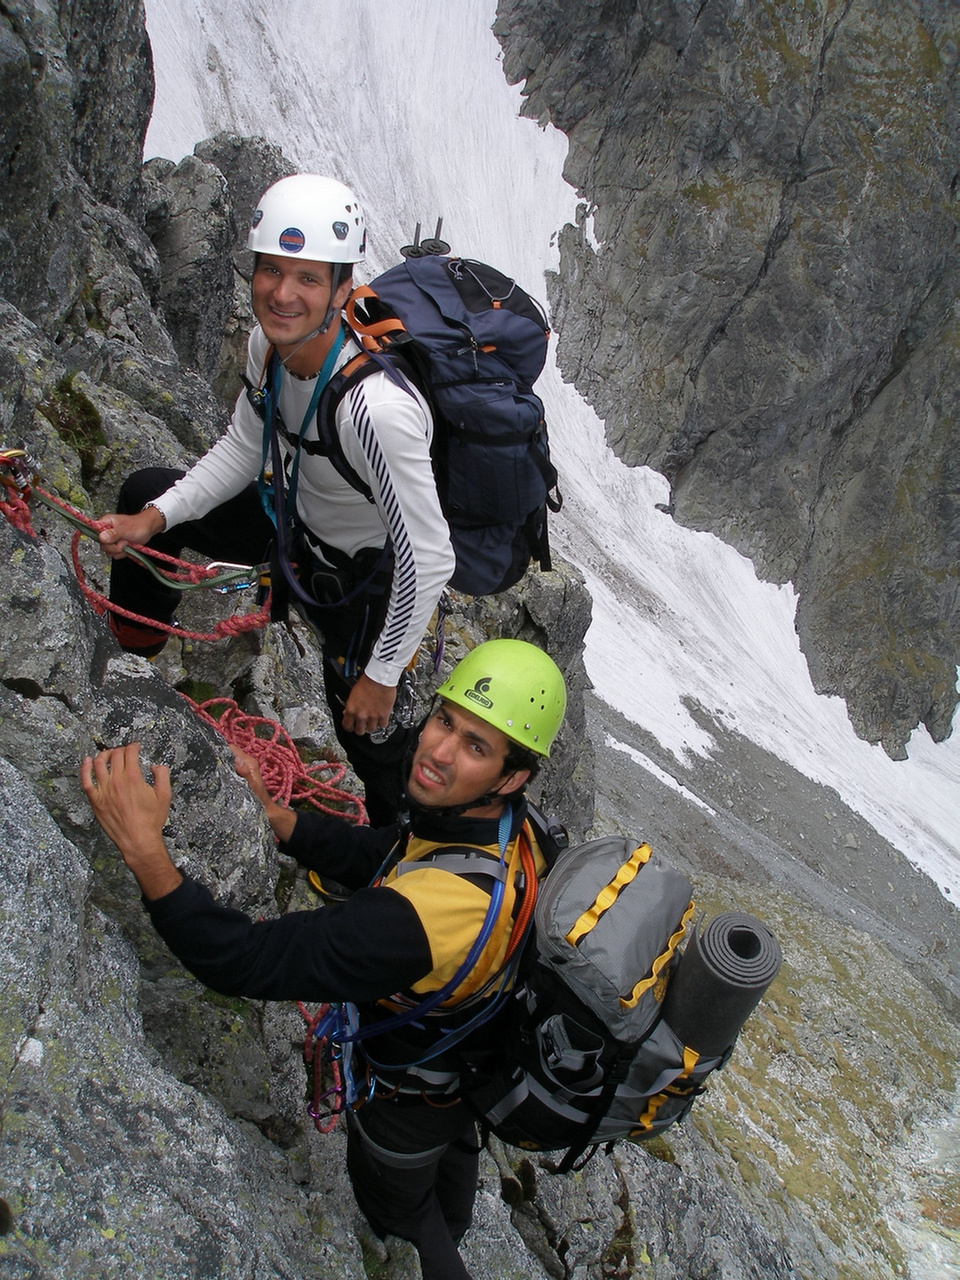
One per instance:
(758, 298)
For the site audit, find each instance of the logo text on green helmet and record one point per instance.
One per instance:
(479, 692)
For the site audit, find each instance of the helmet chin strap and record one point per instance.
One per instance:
(455, 810)
(303, 341)
(336, 275)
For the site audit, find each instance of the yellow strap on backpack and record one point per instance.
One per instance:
(609, 894)
(645, 1122)
(661, 962)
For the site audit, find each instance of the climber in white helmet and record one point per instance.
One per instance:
(372, 569)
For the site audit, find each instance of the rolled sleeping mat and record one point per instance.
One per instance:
(724, 972)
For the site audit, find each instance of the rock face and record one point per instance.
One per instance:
(155, 1131)
(759, 299)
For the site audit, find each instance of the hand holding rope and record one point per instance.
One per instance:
(18, 478)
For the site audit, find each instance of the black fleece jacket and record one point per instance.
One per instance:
(363, 949)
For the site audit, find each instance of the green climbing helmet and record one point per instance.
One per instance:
(513, 686)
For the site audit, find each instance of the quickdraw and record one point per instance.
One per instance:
(331, 1093)
(313, 1056)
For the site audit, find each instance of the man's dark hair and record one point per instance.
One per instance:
(518, 757)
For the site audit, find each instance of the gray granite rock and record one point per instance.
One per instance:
(759, 299)
(112, 1166)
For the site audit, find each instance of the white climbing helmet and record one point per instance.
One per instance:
(308, 216)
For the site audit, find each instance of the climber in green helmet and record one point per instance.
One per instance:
(425, 889)
(513, 688)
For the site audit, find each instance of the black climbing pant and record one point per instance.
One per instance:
(239, 531)
(414, 1174)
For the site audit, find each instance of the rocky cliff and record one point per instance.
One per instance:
(760, 300)
(152, 1130)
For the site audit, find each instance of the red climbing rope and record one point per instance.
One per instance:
(236, 625)
(14, 506)
(314, 1057)
(288, 780)
(179, 573)
(18, 513)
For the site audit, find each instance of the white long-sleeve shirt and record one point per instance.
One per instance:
(386, 435)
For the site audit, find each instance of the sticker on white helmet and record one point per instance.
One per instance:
(292, 240)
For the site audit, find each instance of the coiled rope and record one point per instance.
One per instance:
(287, 778)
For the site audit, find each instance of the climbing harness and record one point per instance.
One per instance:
(279, 501)
(335, 1029)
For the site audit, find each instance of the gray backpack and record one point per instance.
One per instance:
(610, 1031)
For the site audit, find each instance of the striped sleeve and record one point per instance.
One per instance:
(386, 436)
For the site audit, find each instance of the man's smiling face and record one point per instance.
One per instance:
(291, 298)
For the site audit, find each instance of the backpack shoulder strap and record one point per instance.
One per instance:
(461, 860)
(513, 895)
(328, 442)
(376, 328)
(362, 366)
(551, 834)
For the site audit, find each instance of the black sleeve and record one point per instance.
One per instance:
(339, 849)
(367, 947)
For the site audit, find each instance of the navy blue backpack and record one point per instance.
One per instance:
(474, 343)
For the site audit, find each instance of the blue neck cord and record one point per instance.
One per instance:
(271, 406)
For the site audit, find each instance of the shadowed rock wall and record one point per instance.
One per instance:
(760, 300)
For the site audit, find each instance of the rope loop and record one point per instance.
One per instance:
(235, 625)
(288, 780)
